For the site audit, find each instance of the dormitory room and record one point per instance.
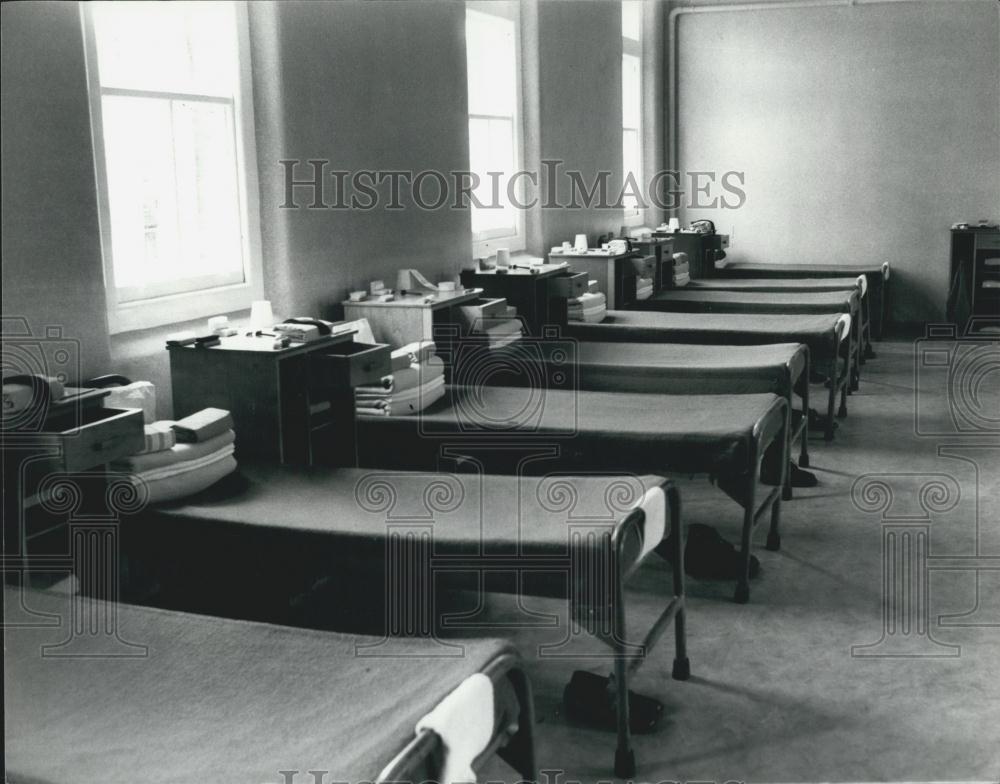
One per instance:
(507, 391)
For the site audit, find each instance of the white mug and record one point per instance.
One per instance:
(503, 257)
(261, 315)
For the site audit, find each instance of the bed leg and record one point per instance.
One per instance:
(869, 351)
(742, 595)
(843, 383)
(624, 755)
(804, 447)
(853, 362)
(624, 763)
(682, 666)
(519, 753)
(831, 401)
(773, 535)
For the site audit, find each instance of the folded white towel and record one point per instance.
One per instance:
(499, 341)
(844, 326)
(188, 482)
(416, 400)
(587, 299)
(410, 401)
(643, 288)
(594, 316)
(160, 436)
(407, 378)
(179, 453)
(410, 384)
(464, 722)
(654, 508)
(185, 466)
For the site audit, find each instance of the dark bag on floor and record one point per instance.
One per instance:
(707, 556)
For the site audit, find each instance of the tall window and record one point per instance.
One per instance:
(492, 46)
(632, 103)
(176, 168)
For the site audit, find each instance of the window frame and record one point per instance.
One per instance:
(157, 311)
(633, 48)
(486, 243)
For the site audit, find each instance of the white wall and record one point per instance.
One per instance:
(865, 131)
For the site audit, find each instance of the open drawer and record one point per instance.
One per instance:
(102, 435)
(484, 308)
(349, 364)
(568, 285)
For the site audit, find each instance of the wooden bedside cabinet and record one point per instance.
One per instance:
(290, 405)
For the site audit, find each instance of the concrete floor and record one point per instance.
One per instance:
(776, 694)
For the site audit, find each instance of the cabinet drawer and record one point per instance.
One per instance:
(568, 285)
(104, 434)
(349, 364)
(482, 308)
(988, 240)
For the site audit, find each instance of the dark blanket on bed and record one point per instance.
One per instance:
(681, 368)
(774, 284)
(213, 699)
(694, 301)
(597, 431)
(637, 326)
(750, 269)
(348, 509)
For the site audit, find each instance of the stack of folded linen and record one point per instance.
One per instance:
(643, 288)
(500, 332)
(680, 275)
(499, 328)
(590, 307)
(184, 457)
(416, 382)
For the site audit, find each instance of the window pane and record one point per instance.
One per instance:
(187, 47)
(631, 91)
(207, 190)
(632, 19)
(632, 160)
(173, 195)
(492, 64)
(491, 148)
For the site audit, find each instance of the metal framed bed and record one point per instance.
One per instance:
(828, 338)
(390, 540)
(686, 369)
(877, 275)
(722, 436)
(688, 300)
(199, 698)
(858, 283)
